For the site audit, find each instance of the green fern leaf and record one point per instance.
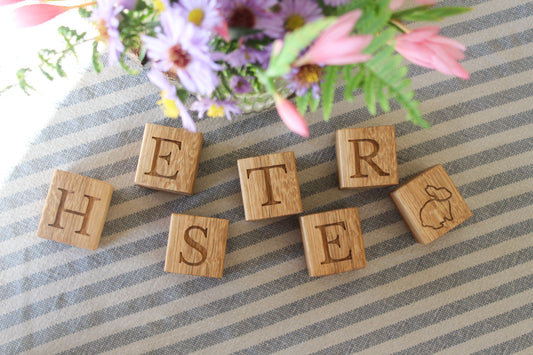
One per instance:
(328, 90)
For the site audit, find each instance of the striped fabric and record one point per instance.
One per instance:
(468, 292)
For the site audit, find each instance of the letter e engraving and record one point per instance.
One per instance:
(85, 215)
(367, 158)
(268, 183)
(157, 149)
(328, 259)
(197, 246)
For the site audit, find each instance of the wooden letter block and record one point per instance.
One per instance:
(75, 210)
(196, 245)
(430, 204)
(269, 186)
(169, 159)
(333, 242)
(366, 157)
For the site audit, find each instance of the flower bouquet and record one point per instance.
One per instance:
(217, 50)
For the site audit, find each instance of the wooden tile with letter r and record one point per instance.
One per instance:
(430, 204)
(169, 159)
(333, 242)
(196, 245)
(366, 157)
(75, 210)
(269, 186)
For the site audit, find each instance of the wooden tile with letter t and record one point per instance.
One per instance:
(196, 245)
(169, 159)
(430, 204)
(366, 157)
(269, 186)
(333, 242)
(75, 210)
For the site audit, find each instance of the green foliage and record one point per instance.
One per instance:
(293, 45)
(21, 78)
(383, 78)
(376, 14)
(428, 13)
(328, 90)
(95, 58)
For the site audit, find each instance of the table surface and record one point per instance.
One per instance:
(469, 291)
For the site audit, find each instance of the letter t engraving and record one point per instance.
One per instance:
(328, 259)
(268, 183)
(85, 215)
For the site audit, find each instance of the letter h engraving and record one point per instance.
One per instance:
(85, 215)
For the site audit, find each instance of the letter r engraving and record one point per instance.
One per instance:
(328, 259)
(366, 158)
(268, 182)
(195, 245)
(85, 215)
(156, 156)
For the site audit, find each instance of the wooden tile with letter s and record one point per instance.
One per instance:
(169, 159)
(366, 157)
(196, 245)
(430, 204)
(75, 210)
(333, 242)
(269, 186)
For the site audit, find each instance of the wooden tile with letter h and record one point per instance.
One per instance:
(333, 242)
(366, 157)
(169, 159)
(196, 245)
(430, 204)
(269, 186)
(75, 210)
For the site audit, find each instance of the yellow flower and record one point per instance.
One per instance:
(216, 111)
(196, 16)
(169, 106)
(159, 5)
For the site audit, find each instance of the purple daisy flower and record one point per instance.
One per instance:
(296, 13)
(253, 14)
(105, 18)
(245, 55)
(215, 108)
(240, 84)
(181, 49)
(169, 96)
(203, 13)
(305, 78)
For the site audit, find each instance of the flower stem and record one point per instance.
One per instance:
(399, 25)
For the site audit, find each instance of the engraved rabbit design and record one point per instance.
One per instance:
(436, 211)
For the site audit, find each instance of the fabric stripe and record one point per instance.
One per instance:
(511, 346)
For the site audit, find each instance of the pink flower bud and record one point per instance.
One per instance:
(32, 15)
(291, 117)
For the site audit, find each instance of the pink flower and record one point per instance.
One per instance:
(426, 48)
(291, 117)
(32, 15)
(335, 46)
(396, 4)
(9, 2)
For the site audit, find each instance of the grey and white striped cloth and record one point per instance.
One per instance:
(470, 291)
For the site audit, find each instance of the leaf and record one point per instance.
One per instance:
(429, 13)
(21, 77)
(236, 33)
(328, 90)
(302, 102)
(182, 94)
(46, 74)
(59, 69)
(313, 105)
(97, 65)
(294, 43)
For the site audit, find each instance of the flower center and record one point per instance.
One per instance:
(309, 74)
(215, 111)
(293, 22)
(179, 57)
(196, 16)
(102, 30)
(242, 17)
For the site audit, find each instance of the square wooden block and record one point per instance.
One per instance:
(196, 245)
(430, 204)
(75, 210)
(269, 186)
(366, 157)
(333, 242)
(169, 159)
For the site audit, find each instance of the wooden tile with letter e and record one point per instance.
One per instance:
(169, 159)
(366, 157)
(430, 204)
(196, 245)
(333, 242)
(75, 210)
(269, 186)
